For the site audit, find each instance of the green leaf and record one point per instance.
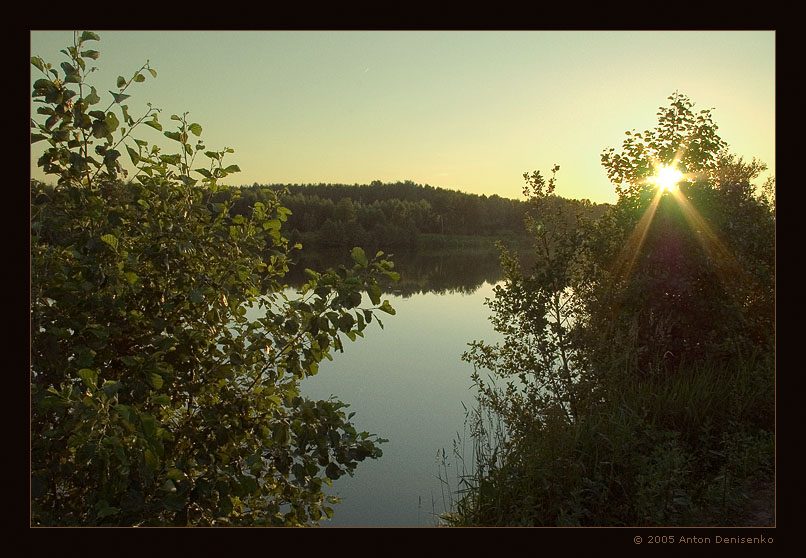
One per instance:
(249, 485)
(154, 124)
(175, 474)
(94, 54)
(353, 299)
(280, 433)
(195, 129)
(89, 36)
(386, 307)
(126, 117)
(346, 322)
(90, 377)
(100, 129)
(38, 62)
(152, 461)
(374, 293)
(135, 157)
(162, 399)
(232, 168)
(139, 78)
(119, 97)
(84, 357)
(111, 240)
(125, 411)
(69, 71)
(273, 224)
(121, 82)
(93, 97)
(111, 387)
(360, 257)
(153, 72)
(332, 471)
(156, 381)
(149, 425)
(256, 467)
(62, 135)
(112, 121)
(43, 84)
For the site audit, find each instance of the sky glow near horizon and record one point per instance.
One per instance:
(465, 110)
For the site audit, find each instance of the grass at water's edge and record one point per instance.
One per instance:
(691, 450)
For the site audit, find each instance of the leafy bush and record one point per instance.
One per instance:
(639, 348)
(166, 352)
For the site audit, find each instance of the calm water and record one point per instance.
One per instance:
(407, 383)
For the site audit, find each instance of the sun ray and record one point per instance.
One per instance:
(733, 277)
(667, 178)
(632, 248)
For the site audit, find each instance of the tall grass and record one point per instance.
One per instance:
(683, 448)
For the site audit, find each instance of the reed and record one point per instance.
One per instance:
(683, 448)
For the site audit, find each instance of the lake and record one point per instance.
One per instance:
(407, 383)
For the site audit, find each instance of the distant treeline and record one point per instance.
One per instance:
(387, 215)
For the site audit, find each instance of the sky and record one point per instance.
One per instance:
(465, 110)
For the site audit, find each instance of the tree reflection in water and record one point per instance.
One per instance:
(442, 271)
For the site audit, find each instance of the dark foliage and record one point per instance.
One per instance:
(635, 382)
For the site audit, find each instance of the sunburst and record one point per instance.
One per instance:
(667, 179)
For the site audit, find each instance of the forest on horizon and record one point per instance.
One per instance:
(393, 215)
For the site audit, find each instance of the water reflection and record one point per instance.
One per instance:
(422, 271)
(406, 383)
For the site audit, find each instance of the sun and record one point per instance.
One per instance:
(667, 178)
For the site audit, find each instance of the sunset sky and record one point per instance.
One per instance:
(466, 110)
